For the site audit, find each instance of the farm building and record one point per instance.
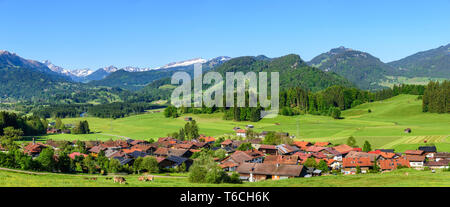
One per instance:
(350, 164)
(261, 171)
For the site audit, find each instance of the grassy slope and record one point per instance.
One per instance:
(382, 128)
(394, 179)
(397, 80)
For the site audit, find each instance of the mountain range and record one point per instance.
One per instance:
(367, 71)
(430, 63)
(86, 75)
(22, 78)
(361, 68)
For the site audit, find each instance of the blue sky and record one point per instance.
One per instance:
(94, 34)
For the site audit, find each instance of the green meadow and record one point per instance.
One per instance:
(398, 178)
(383, 127)
(390, 81)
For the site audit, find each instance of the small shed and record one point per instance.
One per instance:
(317, 172)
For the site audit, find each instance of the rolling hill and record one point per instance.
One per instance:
(294, 72)
(431, 63)
(360, 68)
(22, 79)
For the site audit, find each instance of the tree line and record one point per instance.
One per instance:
(330, 101)
(29, 125)
(297, 100)
(59, 161)
(436, 97)
(107, 110)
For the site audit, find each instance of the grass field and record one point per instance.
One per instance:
(397, 80)
(397, 178)
(383, 127)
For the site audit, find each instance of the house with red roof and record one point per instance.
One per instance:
(240, 157)
(414, 152)
(229, 166)
(302, 144)
(73, 155)
(343, 149)
(392, 164)
(350, 164)
(241, 133)
(322, 144)
(416, 161)
(332, 153)
(441, 164)
(207, 139)
(314, 149)
(226, 143)
(333, 164)
(268, 149)
(282, 159)
(319, 155)
(34, 149)
(263, 171)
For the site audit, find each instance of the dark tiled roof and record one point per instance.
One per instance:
(415, 158)
(123, 161)
(428, 148)
(137, 154)
(437, 163)
(177, 160)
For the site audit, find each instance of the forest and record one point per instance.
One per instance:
(29, 125)
(295, 101)
(107, 110)
(436, 97)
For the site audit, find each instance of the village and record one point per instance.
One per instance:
(257, 161)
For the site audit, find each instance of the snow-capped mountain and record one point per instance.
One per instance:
(184, 63)
(81, 72)
(10, 59)
(56, 68)
(77, 73)
(110, 69)
(136, 69)
(84, 75)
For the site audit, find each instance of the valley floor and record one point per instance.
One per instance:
(383, 127)
(398, 178)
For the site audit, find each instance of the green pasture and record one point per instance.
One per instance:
(383, 127)
(398, 178)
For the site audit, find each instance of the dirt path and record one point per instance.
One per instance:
(48, 173)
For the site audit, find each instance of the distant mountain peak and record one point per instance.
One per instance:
(340, 49)
(5, 52)
(184, 63)
(429, 63)
(110, 69)
(361, 68)
(77, 72)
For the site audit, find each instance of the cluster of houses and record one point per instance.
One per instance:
(263, 161)
(244, 132)
(52, 130)
(169, 152)
(285, 161)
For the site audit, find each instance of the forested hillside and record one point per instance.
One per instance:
(294, 72)
(431, 63)
(360, 68)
